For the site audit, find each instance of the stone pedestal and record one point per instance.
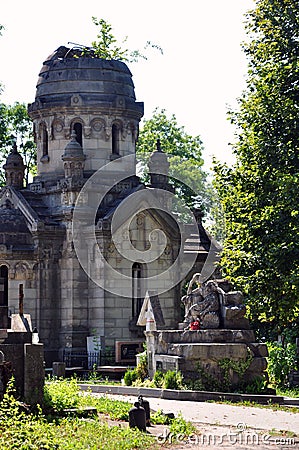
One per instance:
(34, 373)
(219, 354)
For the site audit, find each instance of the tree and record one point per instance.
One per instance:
(107, 47)
(1, 29)
(260, 193)
(15, 124)
(185, 156)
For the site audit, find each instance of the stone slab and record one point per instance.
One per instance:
(211, 351)
(216, 335)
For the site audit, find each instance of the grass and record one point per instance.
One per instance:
(71, 434)
(287, 392)
(47, 429)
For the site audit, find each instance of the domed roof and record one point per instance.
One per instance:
(69, 79)
(14, 159)
(73, 149)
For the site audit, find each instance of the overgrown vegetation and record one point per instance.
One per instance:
(281, 360)
(47, 429)
(36, 431)
(165, 380)
(106, 46)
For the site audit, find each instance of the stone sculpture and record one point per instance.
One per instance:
(214, 305)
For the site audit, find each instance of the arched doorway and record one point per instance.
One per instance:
(3, 296)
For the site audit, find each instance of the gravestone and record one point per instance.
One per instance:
(126, 351)
(24, 359)
(223, 337)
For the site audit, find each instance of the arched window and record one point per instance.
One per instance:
(115, 139)
(136, 289)
(44, 143)
(3, 297)
(77, 127)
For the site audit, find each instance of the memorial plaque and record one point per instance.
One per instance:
(126, 351)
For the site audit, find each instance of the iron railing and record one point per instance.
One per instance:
(88, 360)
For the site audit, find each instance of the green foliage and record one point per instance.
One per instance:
(261, 251)
(165, 380)
(179, 426)
(107, 47)
(158, 378)
(281, 361)
(106, 44)
(172, 380)
(203, 381)
(229, 366)
(130, 376)
(159, 418)
(139, 374)
(258, 386)
(35, 431)
(288, 392)
(15, 124)
(115, 409)
(185, 157)
(141, 367)
(61, 393)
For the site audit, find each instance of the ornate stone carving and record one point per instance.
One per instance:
(212, 306)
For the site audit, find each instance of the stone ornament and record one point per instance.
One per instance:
(212, 306)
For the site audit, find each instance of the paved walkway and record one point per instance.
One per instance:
(239, 427)
(225, 414)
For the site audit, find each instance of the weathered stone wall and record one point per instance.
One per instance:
(228, 357)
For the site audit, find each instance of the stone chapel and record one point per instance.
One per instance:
(85, 116)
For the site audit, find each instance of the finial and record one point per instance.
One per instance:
(159, 146)
(73, 135)
(14, 147)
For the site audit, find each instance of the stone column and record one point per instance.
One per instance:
(34, 373)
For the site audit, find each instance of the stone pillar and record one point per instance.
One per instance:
(150, 348)
(34, 373)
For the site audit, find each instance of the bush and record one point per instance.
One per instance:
(281, 361)
(60, 394)
(158, 379)
(173, 380)
(130, 376)
(141, 368)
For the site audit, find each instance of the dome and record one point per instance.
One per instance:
(14, 159)
(68, 79)
(73, 149)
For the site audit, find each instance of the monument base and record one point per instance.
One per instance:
(216, 358)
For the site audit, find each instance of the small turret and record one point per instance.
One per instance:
(73, 158)
(14, 168)
(158, 169)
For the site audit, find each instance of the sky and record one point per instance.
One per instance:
(201, 73)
